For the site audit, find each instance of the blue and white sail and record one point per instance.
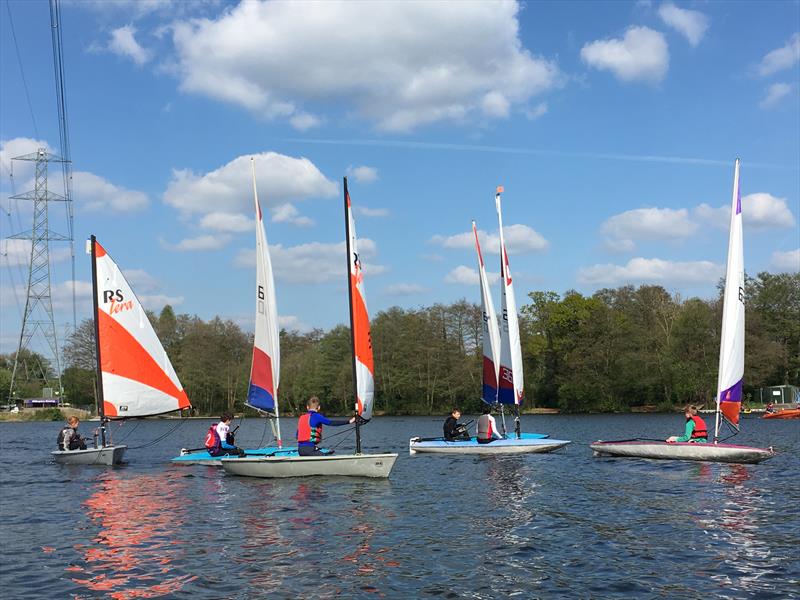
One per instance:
(491, 334)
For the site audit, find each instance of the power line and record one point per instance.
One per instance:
(21, 70)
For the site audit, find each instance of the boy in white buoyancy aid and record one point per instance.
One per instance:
(487, 427)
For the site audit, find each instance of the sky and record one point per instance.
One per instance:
(613, 127)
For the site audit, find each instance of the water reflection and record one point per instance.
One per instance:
(140, 519)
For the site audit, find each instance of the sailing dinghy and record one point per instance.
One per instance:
(134, 375)
(730, 376)
(262, 393)
(354, 465)
(502, 379)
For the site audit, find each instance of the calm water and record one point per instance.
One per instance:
(559, 525)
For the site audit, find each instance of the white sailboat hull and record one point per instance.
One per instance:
(109, 455)
(348, 465)
(729, 453)
(509, 446)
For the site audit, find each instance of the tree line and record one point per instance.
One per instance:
(614, 350)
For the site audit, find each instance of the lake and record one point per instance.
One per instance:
(552, 525)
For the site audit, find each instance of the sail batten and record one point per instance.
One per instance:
(731, 352)
(491, 334)
(511, 383)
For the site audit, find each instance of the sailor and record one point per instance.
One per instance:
(69, 438)
(453, 430)
(695, 431)
(487, 427)
(309, 429)
(226, 437)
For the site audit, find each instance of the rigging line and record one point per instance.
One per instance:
(162, 436)
(11, 229)
(21, 69)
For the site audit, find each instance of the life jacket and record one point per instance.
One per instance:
(700, 431)
(484, 428)
(305, 433)
(61, 435)
(213, 443)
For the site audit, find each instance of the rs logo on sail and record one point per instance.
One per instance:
(117, 301)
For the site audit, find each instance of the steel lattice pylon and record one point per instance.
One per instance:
(38, 315)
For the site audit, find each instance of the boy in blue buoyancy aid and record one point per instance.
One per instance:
(695, 428)
(219, 439)
(309, 429)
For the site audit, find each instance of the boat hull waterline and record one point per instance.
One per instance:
(108, 456)
(525, 445)
(347, 465)
(204, 458)
(728, 453)
(786, 413)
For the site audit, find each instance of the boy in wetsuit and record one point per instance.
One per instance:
(453, 430)
(309, 429)
(69, 438)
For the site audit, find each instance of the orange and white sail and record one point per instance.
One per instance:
(136, 377)
(511, 388)
(359, 320)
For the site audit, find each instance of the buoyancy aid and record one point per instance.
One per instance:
(305, 433)
(700, 430)
(64, 434)
(485, 428)
(213, 443)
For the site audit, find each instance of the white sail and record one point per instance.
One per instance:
(491, 334)
(731, 351)
(265, 369)
(511, 384)
(137, 377)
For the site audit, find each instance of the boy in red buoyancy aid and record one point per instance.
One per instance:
(695, 428)
(309, 429)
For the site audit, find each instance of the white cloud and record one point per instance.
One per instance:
(365, 211)
(537, 111)
(199, 243)
(303, 121)
(229, 189)
(363, 174)
(20, 146)
(140, 280)
(287, 213)
(775, 93)
(95, 193)
(781, 58)
(622, 230)
(652, 270)
(788, 262)
(314, 262)
(759, 211)
(292, 323)
(641, 55)
(18, 252)
(400, 64)
(227, 222)
(158, 301)
(689, 23)
(468, 276)
(133, 8)
(123, 43)
(520, 239)
(404, 289)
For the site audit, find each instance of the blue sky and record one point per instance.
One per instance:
(613, 127)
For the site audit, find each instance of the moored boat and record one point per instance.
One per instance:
(527, 443)
(730, 453)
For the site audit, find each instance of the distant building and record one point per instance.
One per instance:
(778, 394)
(41, 402)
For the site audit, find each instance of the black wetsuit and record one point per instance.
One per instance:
(452, 429)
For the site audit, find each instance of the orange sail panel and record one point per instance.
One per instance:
(137, 377)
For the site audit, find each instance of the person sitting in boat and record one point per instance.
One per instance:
(695, 428)
(487, 427)
(453, 430)
(309, 429)
(69, 438)
(220, 439)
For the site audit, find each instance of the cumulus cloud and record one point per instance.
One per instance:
(788, 262)
(641, 55)
(363, 174)
(199, 243)
(140, 280)
(365, 211)
(287, 213)
(622, 230)
(400, 64)
(404, 289)
(123, 43)
(691, 24)
(95, 193)
(781, 58)
(292, 323)
(775, 93)
(158, 301)
(18, 252)
(520, 239)
(467, 276)
(20, 146)
(652, 270)
(314, 262)
(229, 189)
(303, 121)
(227, 222)
(759, 211)
(537, 111)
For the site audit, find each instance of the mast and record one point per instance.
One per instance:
(352, 316)
(99, 373)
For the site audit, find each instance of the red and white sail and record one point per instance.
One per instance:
(511, 389)
(491, 334)
(359, 319)
(265, 369)
(731, 351)
(137, 377)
